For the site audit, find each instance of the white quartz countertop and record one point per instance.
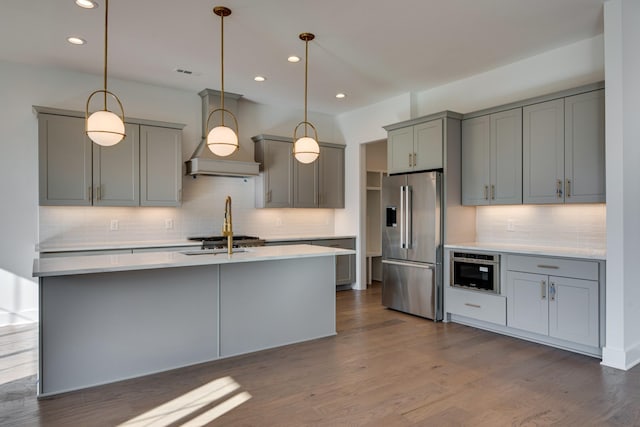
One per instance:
(138, 244)
(595, 254)
(63, 266)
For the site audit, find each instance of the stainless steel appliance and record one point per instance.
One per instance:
(411, 244)
(474, 270)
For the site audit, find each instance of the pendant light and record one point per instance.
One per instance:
(104, 127)
(305, 148)
(222, 140)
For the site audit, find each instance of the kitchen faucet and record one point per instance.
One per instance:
(227, 226)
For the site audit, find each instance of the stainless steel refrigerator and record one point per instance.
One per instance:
(411, 244)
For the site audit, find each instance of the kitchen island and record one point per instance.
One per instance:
(107, 318)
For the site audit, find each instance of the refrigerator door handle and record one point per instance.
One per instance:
(402, 213)
(408, 217)
(410, 264)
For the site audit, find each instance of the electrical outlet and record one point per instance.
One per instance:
(114, 225)
(168, 224)
(511, 225)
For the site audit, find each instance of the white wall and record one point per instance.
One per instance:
(24, 85)
(622, 105)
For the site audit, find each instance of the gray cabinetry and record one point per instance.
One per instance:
(563, 157)
(554, 297)
(65, 161)
(116, 171)
(345, 264)
(160, 166)
(492, 159)
(286, 183)
(415, 148)
(76, 172)
(584, 148)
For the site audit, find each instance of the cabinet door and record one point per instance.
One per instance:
(305, 184)
(345, 264)
(64, 161)
(476, 161)
(278, 174)
(427, 146)
(573, 310)
(160, 166)
(527, 306)
(543, 152)
(506, 158)
(116, 171)
(584, 148)
(400, 150)
(331, 177)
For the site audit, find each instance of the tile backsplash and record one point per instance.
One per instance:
(578, 226)
(201, 213)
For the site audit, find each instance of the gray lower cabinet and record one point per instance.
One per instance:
(558, 298)
(286, 183)
(345, 264)
(563, 150)
(144, 169)
(492, 159)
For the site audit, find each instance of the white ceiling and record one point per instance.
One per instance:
(370, 49)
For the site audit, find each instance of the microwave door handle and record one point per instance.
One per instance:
(408, 216)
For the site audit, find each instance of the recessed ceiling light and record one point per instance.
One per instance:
(293, 58)
(341, 95)
(76, 40)
(87, 4)
(259, 78)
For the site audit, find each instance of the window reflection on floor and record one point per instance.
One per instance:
(18, 352)
(195, 408)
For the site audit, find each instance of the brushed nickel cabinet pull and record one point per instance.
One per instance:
(415, 159)
(552, 291)
(410, 160)
(559, 188)
(553, 267)
(543, 289)
(567, 189)
(493, 192)
(486, 192)
(468, 304)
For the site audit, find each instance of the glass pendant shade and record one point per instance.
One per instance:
(222, 141)
(105, 128)
(306, 149)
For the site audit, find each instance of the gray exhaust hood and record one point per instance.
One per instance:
(203, 161)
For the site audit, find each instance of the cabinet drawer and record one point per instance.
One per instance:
(554, 266)
(477, 305)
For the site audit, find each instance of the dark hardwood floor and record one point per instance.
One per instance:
(384, 368)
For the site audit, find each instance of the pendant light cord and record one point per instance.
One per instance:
(306, 72)
(106, 37)
(222, 66)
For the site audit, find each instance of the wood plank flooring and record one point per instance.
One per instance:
(384, 368)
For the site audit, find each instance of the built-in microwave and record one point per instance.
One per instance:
(474, 270)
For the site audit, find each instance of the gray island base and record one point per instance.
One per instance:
(100, 325)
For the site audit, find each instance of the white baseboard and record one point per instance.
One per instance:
(621, 359)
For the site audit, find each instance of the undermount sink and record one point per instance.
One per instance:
(212, 251)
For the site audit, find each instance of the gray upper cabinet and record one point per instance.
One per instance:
(415, 148)
(492, 159)
(144, 169)
(564, 150)
(584, 148)
(116, 171)
(285, 183)
(160, 166)
(65, 161)
(543, 152)
(274, 185)
(331, 171)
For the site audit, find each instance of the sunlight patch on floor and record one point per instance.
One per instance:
(191, 402)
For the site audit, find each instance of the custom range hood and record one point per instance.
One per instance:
(203, 161)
